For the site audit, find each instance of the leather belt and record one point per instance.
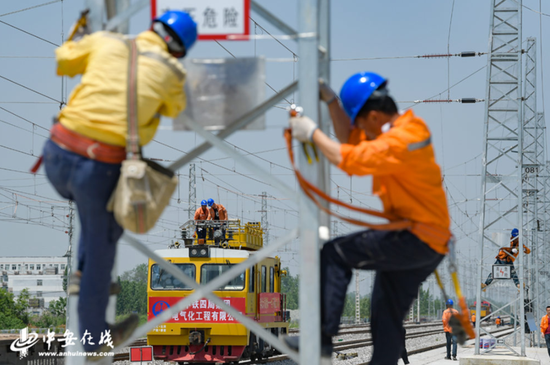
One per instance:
(85, 146)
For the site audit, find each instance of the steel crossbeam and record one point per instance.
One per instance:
(502, 198)
(315, 16)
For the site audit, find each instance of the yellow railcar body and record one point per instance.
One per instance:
(255, 293)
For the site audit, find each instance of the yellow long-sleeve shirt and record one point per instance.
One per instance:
(97, 107)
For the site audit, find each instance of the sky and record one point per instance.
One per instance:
(379, 36)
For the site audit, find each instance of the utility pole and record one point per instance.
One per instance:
(69, 254)
(357, 299)
(502, 198)
(418, 305)
(192, 191)
(265, 223)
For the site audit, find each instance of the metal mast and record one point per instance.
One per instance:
(357, 299)
(192, 191)
(532, 167)
(265, 224)
(502, 199)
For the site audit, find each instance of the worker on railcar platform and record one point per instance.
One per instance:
(202, 214)
(87, 146)
(396, 149)
(218, 214)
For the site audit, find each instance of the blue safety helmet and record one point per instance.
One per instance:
(203, 202)
(182, 24)
(515, 232)
(357, 90)
(450, 302)
(210, 202)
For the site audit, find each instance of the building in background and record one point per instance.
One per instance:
(41, 276)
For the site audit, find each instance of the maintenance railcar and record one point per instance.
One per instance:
(203, 333)
(485, 309)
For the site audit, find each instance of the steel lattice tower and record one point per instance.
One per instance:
(502, 199)
(532, 167)
(192, 191)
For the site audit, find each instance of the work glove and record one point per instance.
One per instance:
(514, 250)
(326, 93)
(302, 128)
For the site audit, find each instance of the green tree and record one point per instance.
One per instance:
(65, 278)
(13, 313)
(290, 285)
(133, 293)
(58, 308)
(137, 274)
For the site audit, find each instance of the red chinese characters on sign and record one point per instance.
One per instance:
(269, 303)
(201, 311)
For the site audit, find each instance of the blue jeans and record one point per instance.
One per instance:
(89, 184)
(401, 261)
(547, 339)
(450, 338)
(512, 272)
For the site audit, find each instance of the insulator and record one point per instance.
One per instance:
(435, 56)
(468, 100)
(467, 54)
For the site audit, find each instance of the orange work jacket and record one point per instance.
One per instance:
(506, 254)
(447, 313)
(473, 317)
(544, 324)
(405, 176)
(222, 212)
(202, 214)
(497, 321)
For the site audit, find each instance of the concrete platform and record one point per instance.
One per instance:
(465, 355)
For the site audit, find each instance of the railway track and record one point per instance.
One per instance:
(338, 346)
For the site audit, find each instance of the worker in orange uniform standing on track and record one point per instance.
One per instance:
(202, 214)
(447, 314)
(374, 139)
(83, 157)
(545, 329)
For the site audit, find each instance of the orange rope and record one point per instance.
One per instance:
(310, 190)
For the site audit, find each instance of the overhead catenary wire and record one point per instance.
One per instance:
(31, 34)
(30, 8)
(30, 89)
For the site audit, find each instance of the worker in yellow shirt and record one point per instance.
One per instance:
(87, 145)
(374, 139)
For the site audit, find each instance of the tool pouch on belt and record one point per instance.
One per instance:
(144, 187)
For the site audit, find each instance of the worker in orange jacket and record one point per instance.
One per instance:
(374, 139)
(445, 318)
(202, 214)
(545, 329)
(507, 256)
(218, 214)
(473, 319)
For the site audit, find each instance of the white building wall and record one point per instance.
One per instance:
(34, 274)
